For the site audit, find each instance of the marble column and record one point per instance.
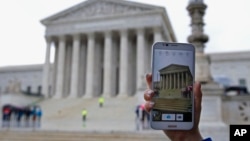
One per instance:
(174, 75)
(54, 68)
(82, 67)
(46, 69)
(109, 66)
(140, 58)
(74, 86)
(124, 64)
(157, 34)
(186, 78)
(60, 67)
(90, 66)
(167, 81)
(171, 80)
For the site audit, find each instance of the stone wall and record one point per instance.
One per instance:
(236, 109)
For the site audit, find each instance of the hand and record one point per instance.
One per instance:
(179, 135)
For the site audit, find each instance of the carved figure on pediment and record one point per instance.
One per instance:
(102, 8)
(14, 86)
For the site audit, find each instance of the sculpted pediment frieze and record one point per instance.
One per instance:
(99, 8)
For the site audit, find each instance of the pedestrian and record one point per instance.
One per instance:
(19, 116)
(84, 114)
(6, 111)
(101, 101)
(33, 113)
(39, 114)
(27, 113)
(137, 118)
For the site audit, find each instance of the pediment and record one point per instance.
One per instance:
(99, 8)
(174, 67)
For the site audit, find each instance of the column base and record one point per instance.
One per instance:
(122, 95)
(72, 95)
(57, 96)
(87, 95)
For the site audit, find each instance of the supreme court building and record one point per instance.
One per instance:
(102, 47)
(175, 77)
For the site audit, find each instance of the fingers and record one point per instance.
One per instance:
(148, 94)
(149, 80)
(148, 106)
(197, 103)
(197, 97)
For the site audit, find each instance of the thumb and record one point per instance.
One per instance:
(149, 80)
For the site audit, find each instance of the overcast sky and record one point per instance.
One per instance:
(22, 34)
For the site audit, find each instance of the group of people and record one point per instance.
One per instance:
(142, 118)
(14, 116)
(186, 92)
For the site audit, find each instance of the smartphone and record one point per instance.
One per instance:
(173, 69)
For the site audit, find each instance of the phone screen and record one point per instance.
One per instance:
(172, 82)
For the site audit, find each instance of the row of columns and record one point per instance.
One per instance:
(173, 80)
(126, 70)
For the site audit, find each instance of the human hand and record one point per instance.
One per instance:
(179, 135)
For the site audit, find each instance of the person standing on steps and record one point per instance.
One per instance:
(101, 101)
(84, 115)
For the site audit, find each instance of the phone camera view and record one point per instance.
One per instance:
(173, 77)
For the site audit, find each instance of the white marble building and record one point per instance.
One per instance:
(104, 43)
(102, 47)
(234, 67)
(16, 79)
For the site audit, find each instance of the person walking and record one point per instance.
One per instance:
(39, 114)
(101, 101)
(84, 115)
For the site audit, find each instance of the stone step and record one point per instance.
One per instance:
(65, 114)
(180, 105)
(80, 136)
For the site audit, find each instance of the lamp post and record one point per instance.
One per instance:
(196, 9)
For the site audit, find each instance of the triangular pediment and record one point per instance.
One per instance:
(174, 68)
(99, 8)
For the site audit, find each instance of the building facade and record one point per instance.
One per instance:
(102, 47)
(175, 77)
(21, 79)
(232, 68)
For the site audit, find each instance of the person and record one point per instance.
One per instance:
(6, 112)
(101, 101)
(179, 135)
(27, 113)
(137, 117)
(33, 115)
(84, 114)
(39, 114)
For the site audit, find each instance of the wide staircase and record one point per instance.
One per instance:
(62, 121)
(80, 136)
(117, 114)
(173, 104)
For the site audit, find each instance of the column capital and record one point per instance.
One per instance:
(140, 30)
(91, 34)
(48, 39)
(157, 29)
(76, 36)
(124, 32)
(62, 37)
(107, 32)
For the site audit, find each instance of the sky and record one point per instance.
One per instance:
(22, 35)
